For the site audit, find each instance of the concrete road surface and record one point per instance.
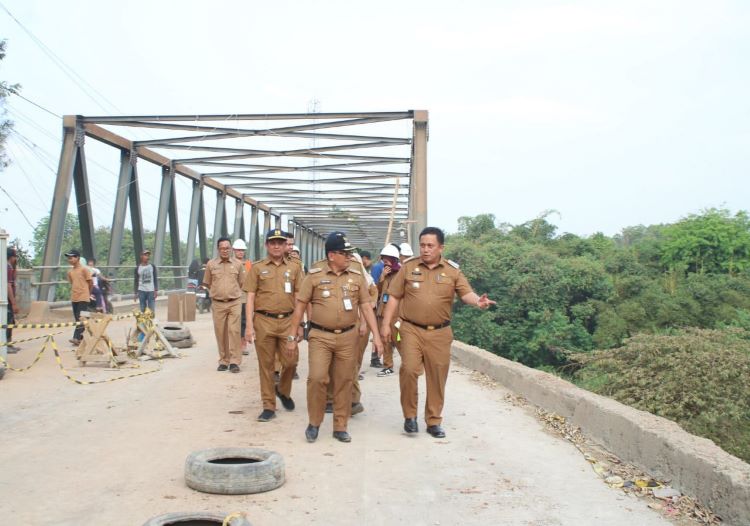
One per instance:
(113, 454)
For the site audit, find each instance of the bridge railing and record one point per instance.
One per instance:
(170, 278)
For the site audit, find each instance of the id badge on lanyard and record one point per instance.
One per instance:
(288, 287)
(347, 300)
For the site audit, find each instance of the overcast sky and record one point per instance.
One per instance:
(611, 113)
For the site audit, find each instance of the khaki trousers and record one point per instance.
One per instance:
(270, 342)
(388, 349)
(428, 352)
(360, 347)
(226, 317)
(336, 351)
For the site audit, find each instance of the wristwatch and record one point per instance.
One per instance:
(291, 338)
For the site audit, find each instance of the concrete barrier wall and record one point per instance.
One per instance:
(695, 466)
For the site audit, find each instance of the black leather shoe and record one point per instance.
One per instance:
(222, 367)
(329, 408)
(287, 402)
(266, 415)
(410, 425)
(342, 436)
(436, 431)
(311, 433)
(234, 368)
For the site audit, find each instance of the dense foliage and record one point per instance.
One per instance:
(667, 307)
(696, 377)
(559, 294)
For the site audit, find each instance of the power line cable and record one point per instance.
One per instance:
(60, 63)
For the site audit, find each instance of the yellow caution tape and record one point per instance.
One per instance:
(51, 341)
(91, 382)
(38, 356)
(58, 325)
(27, 339)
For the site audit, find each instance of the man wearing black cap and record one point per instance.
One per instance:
(12, 304)
(336, 292)
(271, 286)
(81, 286)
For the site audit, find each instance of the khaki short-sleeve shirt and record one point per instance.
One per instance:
(224, 278)
(427, 294)
(274, 285)
(79, 278)
(328, 292)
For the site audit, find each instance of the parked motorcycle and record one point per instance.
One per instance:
(202, 299)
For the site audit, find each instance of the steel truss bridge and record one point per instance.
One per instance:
(363, 173)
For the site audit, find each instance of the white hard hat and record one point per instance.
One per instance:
(406, 250)
(239, 245)
(295, 248)
(389, 250)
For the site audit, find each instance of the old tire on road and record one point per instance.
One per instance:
(175, 333)
(203, 518)
(234, 470)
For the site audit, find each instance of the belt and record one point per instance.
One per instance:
(429, 327)
(225, 301)
(278, 316)
(334, 331)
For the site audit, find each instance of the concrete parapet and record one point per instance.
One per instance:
(695, 466)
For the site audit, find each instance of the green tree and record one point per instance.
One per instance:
(712, 242)
(6, 125)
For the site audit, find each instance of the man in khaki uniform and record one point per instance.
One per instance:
(424, 288)
(336, 292)
(223, 278)
(271, 286)
(391, 265)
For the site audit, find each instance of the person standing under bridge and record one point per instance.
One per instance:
(424, 288)
(271, 286)
(336, 292)
(223, 278)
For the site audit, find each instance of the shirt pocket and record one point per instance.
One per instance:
(324, 293)
(445, 286)
(414, 283)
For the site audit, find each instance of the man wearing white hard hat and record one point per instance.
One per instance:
(406, 251)
(239, 247)
(391, 265)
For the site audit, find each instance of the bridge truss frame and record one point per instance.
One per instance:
(353, 193)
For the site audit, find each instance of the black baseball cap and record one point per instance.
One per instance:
(75, 253)
(275, 233)
(337, 241)
(366, 254)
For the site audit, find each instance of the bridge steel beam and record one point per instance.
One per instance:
(418, 193)
(195, 204)
(266, 228)
(254, 239)
(238, 219)
(59, 210)
(174, 234)
(202, 234)
(220, 220)
(165, 195)
(83, 200)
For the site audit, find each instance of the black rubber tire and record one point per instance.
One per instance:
(175, 333)
(202, 518)
(265, 472)
(2, 371)
(183, 344)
